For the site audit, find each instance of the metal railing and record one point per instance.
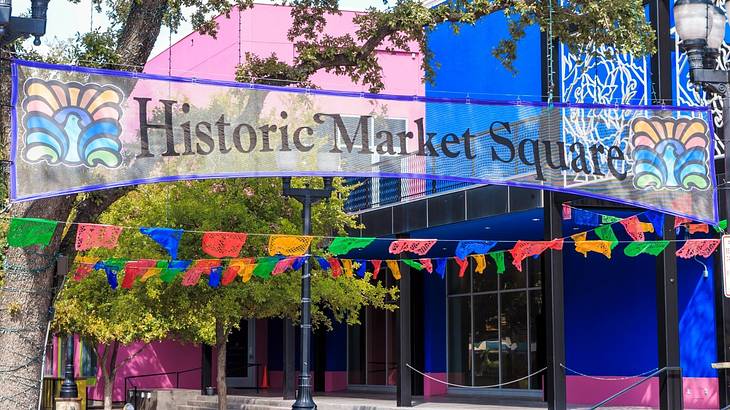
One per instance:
(176, 373)
(635, 384)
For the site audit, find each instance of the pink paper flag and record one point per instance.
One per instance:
(417, 246)
(376, 267)
(694, 228)
(90, 236)
(635, 228)
(698, 247)
(282, 266)
(463, 264)
(567, 212)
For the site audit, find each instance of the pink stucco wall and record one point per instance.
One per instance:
(158, 357)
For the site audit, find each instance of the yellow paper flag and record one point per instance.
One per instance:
(394, 269)
(602, 247)
(481, 263)
(150, 273)
(347, 267)
(289, 245)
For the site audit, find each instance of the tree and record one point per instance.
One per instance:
(201, 313)
(136, 26)
(109, 318)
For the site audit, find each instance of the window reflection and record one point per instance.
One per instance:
(486, 340)
(513, 323)
(460, 340)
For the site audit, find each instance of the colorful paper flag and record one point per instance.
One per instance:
(426, 262)
(394, 268)
(264, 266)
(466, 248)
(657, 221)
(413, 264)
(524, 249)
(24, 232)
(653, 248)
(376, 267)
(289, 245)
(441, 267)
(192, 275)
(343, 245)
(168, 238)
(481, 263)
(602, 247)
(498, 258)
(417, 246)
(90, 236)
(698, 247)
(223, 244)
(605, 233)
(635, 228)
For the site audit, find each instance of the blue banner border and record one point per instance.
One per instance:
(15, 63)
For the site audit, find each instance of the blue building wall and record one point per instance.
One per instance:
(434, 325)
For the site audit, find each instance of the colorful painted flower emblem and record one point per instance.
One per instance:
(72, 124)
(670, 153)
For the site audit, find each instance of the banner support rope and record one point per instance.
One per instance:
(474, 387)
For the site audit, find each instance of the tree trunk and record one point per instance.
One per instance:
(221, 339)
(109, 370)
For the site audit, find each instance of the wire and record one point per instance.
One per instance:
(609, 378)
(474, 387)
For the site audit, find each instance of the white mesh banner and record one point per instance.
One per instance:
(78, 129)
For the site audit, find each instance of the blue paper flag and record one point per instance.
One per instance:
(182, 265)
(111, 273)
(441, 267)
(323, 263)
(214, 280)
(657, 221)
(298, 263)
(361, 270)
(167, 238)
(465, 248)
(585, 218)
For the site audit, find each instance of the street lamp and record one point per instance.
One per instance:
(13, 28)
(307, 196)
(700, 24)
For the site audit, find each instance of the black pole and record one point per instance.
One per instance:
(554, 308)
(404, 389)
(68, 388)
(670, 381)
(722, 304)
(304, 393)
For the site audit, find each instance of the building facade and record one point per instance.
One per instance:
(476, 329)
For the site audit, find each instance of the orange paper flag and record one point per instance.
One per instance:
(394, 268)
(602, 247)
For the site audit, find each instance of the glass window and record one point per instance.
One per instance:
(513, 320)
(372, 345)
(512, 278)
(534, 271)
(460, 340)
(356, 353)
(456, 284)
(88, 359)
(486, 340)
(537, 333)
(486, 281)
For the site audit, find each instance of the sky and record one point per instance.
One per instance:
(65, 19)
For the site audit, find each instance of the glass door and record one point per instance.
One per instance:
(241, 368)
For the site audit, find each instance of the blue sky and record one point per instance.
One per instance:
(66, 19)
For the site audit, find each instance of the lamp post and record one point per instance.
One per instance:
(13, 28)
(68, 387)
(700, 24)
(307, 197)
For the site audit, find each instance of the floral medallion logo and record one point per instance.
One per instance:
(72, 124)
(670, 153)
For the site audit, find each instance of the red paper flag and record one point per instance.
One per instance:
(680, 220)
(698, 247)
(335, 266)
(82, 271)
(223, 244)
(524, 249)
(635, 228)
(135, 269)
(463, 264)
(90, 236)
(694, 228)
(426, 262)
(376, 267)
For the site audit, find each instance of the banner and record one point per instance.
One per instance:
(80, 129)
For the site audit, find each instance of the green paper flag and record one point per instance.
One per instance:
(608, 219)
(167, 274)
(30, 231)
(721, 226)
(342, 245)
(648, 247)
(264, 266)
(498, 258)
(605, 233)
(413, 264)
